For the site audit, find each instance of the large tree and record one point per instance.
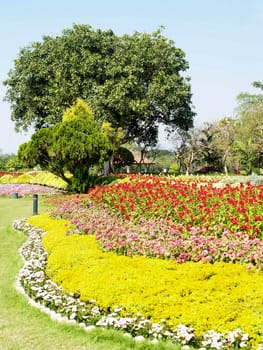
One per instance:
(223, 141)
(249, 135)
(73, 145)
(133, 81)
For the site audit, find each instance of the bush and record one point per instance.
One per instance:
(210, 169)
(174, 169)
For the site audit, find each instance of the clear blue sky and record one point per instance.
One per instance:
(222, 40)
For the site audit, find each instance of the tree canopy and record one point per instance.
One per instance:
(133, 81)
(234, 144)
(73, 145)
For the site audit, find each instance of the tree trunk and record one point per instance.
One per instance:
(225, 169)
(224, 161)
(106, 168)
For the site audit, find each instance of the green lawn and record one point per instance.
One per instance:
(23, 327)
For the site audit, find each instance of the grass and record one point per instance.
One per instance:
(23, 327)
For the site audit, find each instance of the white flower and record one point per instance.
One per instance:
(184, 334)
(185, 347)
(73, 316)
(245, 337)
(117, 309)
(139, 338)
(95, 311)
(243, 344)
(128, 335)
(213, 339)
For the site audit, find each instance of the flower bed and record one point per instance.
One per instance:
(160, 238)
(37, 178)
(186, 221)
(26, 189)
(12, 173)
(187, 203)
(65, 249)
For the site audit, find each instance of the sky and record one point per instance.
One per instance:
(222, 41)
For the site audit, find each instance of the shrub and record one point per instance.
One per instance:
(210, 169)
(174, 169)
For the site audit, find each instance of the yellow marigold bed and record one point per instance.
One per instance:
(222, 297)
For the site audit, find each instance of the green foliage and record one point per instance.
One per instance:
(14, 164)
(249, 134)
(133, 81)
(73, 145)
(5, 158)
(79, 110)
(174, 169)
(122, 157)
(164, 158)
(2, 165)
(105, 180)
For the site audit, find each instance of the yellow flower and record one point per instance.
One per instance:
(222, 297)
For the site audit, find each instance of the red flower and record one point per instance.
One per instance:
(234, 220)
(241, 210)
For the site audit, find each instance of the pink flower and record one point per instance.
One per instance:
(208, 258)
